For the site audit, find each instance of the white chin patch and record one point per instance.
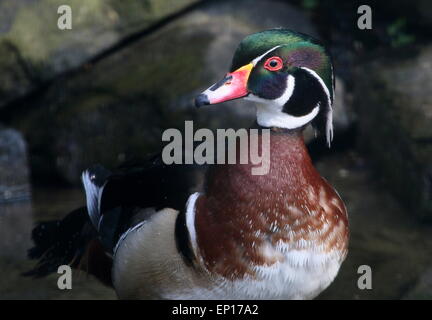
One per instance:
(271, 116)
(279, 102)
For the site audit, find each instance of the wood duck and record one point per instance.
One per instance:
(151, 234)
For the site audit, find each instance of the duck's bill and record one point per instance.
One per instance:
(233, 86)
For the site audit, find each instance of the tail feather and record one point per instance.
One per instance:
(94, 180)
(74, 240)
(61, 242)
(43, 235)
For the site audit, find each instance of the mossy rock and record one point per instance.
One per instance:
(14, 174)
(118, 107)
(422, 289)
(45, 50)
(16, 79)
(393, 99)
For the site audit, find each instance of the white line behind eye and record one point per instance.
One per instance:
(258, 59)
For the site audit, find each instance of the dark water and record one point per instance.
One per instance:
(16, 221)
(383, 235)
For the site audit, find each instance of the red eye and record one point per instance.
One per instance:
(273, 64)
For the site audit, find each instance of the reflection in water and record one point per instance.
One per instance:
(16, 223)
(383, 235)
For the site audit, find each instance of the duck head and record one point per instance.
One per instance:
(288, 74)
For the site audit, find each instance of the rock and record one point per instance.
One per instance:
(343, 113)
(382, 233)
(425, 11)
(14, 175)
(422, 290)
(393, 99)
(29, 31)
(17, 79)
(118, 107)
(15, 230)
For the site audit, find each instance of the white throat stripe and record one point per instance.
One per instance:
(269, 117)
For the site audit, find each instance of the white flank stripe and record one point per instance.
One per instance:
(190, 220)
(126, 233)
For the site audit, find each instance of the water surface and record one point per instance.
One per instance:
(383, 235)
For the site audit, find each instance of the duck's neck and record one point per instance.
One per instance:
(239, 210)
(273, 116)
(285, 164)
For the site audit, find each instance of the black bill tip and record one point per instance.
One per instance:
(201, 100)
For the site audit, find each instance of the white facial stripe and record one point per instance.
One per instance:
(270, 116)
(288, 92)
(329, 115)
(256, 60)
(315, 75)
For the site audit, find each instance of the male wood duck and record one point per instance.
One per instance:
(148, 232)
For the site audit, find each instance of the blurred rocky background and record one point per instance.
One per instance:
(105, 91)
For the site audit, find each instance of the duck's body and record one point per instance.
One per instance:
(281, 234)
(287, 243)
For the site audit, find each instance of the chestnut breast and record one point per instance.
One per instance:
(244, 220)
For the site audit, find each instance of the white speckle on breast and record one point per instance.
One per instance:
(300, 274)
(294, 211)
(336, 203)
